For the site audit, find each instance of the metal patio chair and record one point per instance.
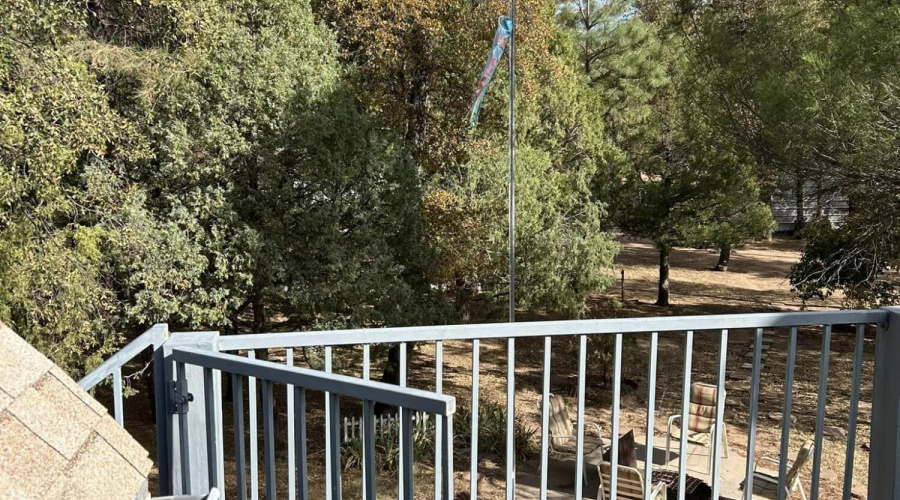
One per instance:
(563, 439)
(701, 422)
(629, 484)
(792, 480)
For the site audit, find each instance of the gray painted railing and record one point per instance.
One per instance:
(155, 337)
(203, 438)
(618, 327)
(884, 470)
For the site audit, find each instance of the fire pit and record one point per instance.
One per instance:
(694, 489)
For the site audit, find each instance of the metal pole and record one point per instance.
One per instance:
(512, 163)
(511, 342)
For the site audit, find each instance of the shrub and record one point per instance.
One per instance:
(492, 431)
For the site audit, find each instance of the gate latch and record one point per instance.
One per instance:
(181, 398)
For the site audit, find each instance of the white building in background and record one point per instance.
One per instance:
(817, 203)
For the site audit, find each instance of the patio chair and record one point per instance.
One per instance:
(629, 485)
(792, 480)
(701, 422)
(563, 440)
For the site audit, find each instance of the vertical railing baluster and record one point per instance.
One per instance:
(300, 443)
(254, 434)
(545, 418)
(332, 436)
(854, 410)
(820, 413)
(292, 466)
(367, 362)
(220, 430)
(162, 412)
(183, 436)
(579, 433)
(511, 419)
(268, 413)
(786, 413)
(334, 462)
(651, 420)
(368, 450)
(117, 397)
(614, 433)
(407, 460)
(473, 467)
(405, 441)
(212, 445)
(754, 408)
(719, 430)
(447, 481)
(240, 465)
(367, 432)
(685, 413)
(438, 422)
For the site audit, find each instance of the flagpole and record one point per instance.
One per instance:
(511, 342)
(512, 164)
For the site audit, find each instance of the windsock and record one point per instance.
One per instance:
(501, 39)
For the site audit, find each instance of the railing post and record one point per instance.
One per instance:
(196, 415)
(161, 410)
(884, 456)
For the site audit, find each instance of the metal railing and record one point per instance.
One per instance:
(617, 327)
(155, 337)
(884, 468)
(298, 381)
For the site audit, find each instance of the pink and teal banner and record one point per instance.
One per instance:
(501, 39)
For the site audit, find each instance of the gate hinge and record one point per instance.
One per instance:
(180, 396)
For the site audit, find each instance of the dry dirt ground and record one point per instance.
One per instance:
(755, 283)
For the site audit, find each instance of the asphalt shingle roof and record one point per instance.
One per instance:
(56, 441)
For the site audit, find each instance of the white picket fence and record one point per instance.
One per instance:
(384, 425)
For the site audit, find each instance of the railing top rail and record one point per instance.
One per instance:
(413, 399)
(155, 337)
(549, 328)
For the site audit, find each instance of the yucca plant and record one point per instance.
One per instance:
(492, 431)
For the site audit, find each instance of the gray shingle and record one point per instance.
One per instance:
(56, 441)
(55, 415)
(98, 472)
(119, 439)
(28, 465)
(20, 364)
(79, 393)
(5, 400)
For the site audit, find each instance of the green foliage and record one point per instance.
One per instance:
(839, 259)
(492, 431)
(623, 58)
(387, 447)
(208, 162)
(810, 90)
(561, 255)
(72, 226)
(182, 161)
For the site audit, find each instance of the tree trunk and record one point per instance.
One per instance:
(259, 322)
(662, 298)
(800, 221)
(724, 257)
